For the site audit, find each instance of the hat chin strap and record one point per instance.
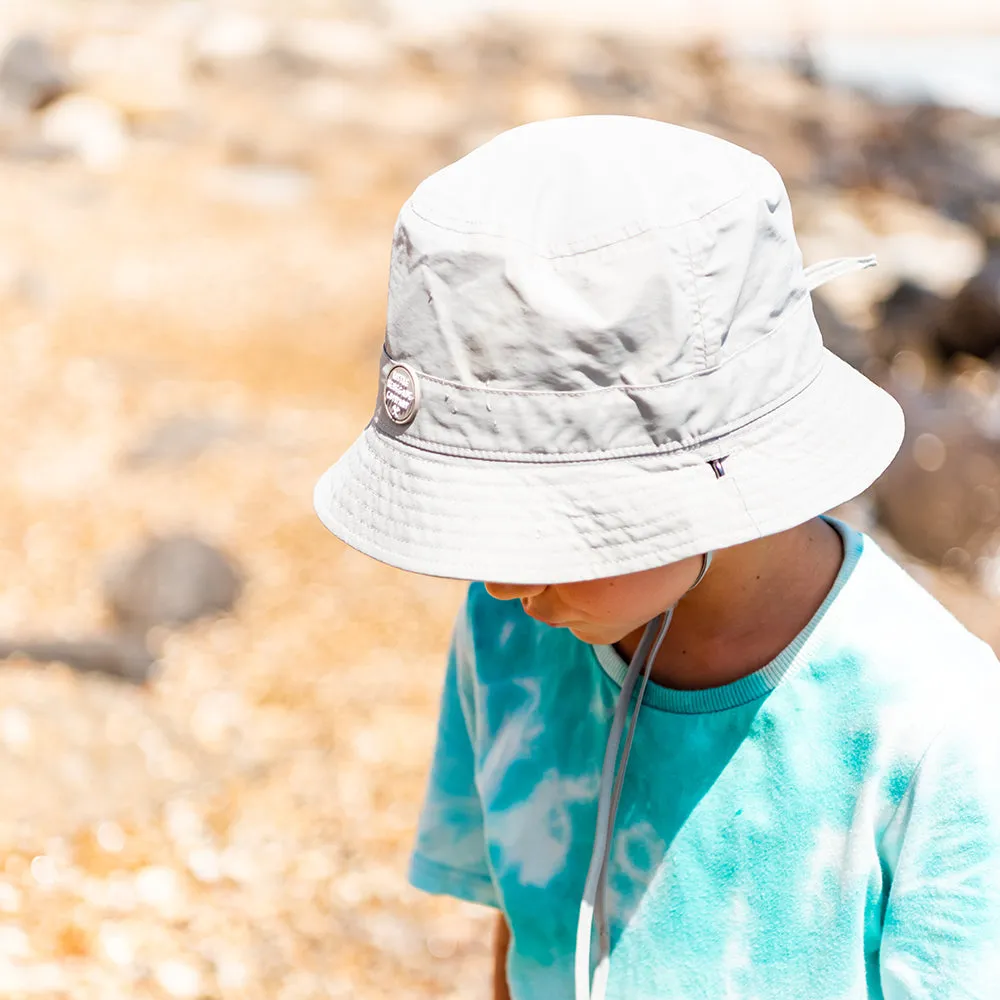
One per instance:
(595, 890)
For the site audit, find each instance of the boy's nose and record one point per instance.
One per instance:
(514, 591)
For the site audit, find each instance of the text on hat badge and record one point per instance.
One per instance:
(401, 394)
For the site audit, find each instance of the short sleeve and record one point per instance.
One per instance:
(450, 854)
(941, 931)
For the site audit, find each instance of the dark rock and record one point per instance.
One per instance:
(33, 150)
(179, 439)
(30, 74)
(122, 656)
(940, 498)
(908, 319)
(614, 71)
(921, 153)
(970, 322)
(839, 336)
(802, 62)
(171, 581)
(910, 304)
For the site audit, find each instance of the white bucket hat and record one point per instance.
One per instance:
(601, 357)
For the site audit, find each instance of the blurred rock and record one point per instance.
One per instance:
(171, 581)
(144, 76)
(940, 498)
(908, 319)
(179, 440)
(122, 656)
(30, 74)
(326, 45)
(839, 336)
(260, 185)
(924, 152)
(970, 323)
(233, 36)
(89, 128)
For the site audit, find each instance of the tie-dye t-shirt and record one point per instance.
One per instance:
(827, 827)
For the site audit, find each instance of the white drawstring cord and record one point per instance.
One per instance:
(609, 794)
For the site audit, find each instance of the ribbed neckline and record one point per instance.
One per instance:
(760, 682)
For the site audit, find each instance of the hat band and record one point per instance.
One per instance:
(614, 421)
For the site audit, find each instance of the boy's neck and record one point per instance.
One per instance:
(754, 600)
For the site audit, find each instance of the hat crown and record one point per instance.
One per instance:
(591, 252)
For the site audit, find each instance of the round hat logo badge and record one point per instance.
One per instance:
(401, 394)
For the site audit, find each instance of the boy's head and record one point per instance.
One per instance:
(601, 360)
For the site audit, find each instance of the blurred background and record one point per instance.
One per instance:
(215, 720)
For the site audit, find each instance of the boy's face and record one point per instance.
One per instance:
(602, 612)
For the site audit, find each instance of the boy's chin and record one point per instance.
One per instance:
(597, 635)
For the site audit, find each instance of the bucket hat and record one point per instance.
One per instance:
(601, 357)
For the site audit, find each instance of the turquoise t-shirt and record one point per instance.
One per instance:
(827, 827)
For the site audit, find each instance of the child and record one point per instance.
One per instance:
(604, 393)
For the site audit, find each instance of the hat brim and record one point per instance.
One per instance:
(545, 522)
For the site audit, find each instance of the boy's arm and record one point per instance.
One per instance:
(942, 850)
(501, 944)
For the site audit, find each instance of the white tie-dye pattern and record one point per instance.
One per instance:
(534, 836)
(602, 707)
(841, 854)
(521, 726)
(505, 633)
(464, 848)
(736, 957)
(828, 856)
(635, 858)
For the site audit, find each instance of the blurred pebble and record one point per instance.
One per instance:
(184, 822)
(144, 76)
(88, 127)
(43, 870)
(929, 452)
(341, 46)
(15, 728)
(233, 35)
(14, 942)
(230, 973)
(10, 898)
(259, 185)
(237, 864)
(178, 979)
(215, 717)
(30, 74)
(204, 864)
(156, 886)
(44, 979)
(116, 943)
(111, 837)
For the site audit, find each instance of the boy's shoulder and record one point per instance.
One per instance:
(902, 639)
